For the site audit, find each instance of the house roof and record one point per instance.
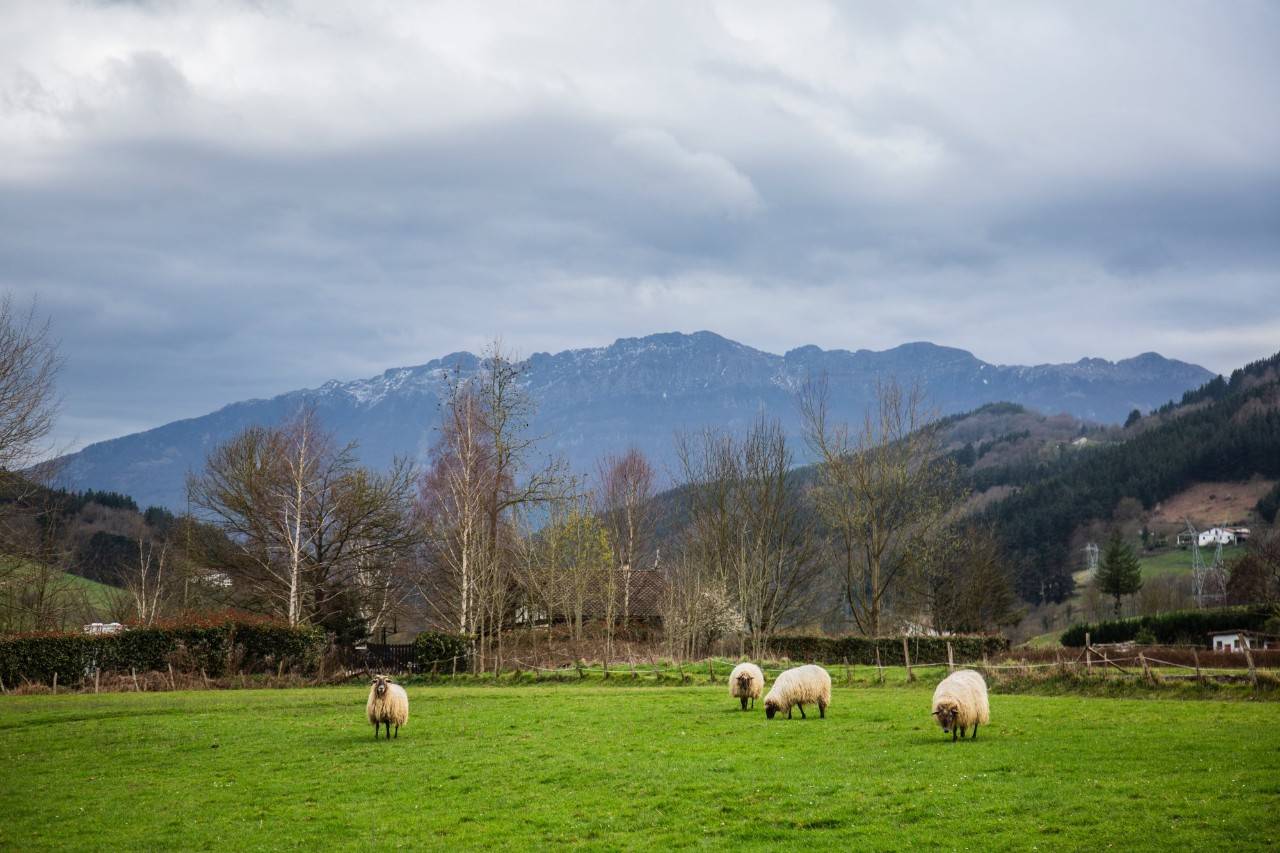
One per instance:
(1242, 632)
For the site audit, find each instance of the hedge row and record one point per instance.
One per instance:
(1182, 627)
(215, 649)
(862, 650)
(436, 651)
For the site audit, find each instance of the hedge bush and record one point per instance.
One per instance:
(1181, 627)
(862, 650)
(433, 648)
(218, 648)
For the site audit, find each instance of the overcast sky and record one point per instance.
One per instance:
(214, 201)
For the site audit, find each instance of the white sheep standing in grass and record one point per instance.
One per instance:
(388, 705)
(803, 684)
(960, 701)
(746, 682)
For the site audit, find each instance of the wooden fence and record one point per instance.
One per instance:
(397, 658)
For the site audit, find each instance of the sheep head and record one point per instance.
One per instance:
(380, 683)
(947, 712)
(744, 682)
(770, 708)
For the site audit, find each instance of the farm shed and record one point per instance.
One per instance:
(1237, 640)
(1217, 536)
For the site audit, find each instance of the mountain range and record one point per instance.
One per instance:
(636, 391)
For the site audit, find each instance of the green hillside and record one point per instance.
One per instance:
(1225, 431)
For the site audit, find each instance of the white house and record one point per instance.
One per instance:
(1216, 535)
(103, 628)
(1238, 640)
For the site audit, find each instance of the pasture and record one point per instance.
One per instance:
(631, 767)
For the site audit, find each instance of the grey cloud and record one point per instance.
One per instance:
(231, 203)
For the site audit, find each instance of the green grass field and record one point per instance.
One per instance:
(100, 596)
(623, 767)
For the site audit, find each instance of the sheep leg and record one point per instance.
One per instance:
(788, 712)
(744, 703)
(802, 716)
(962, 728)
(953, 734)
(375, 731)
(822, 710)
(388, 725)
(975, 731)
(397, 731)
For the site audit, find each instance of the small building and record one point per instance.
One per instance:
(1217, 536)
(1237, 640)
(1242, 533)
(103, 628)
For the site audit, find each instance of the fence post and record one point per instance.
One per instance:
(1195, 657)
(951, 660)
(1057, 658)
(581, 674)
(135, 679)
(96, 673)
(606, 667)
(55, 684)
(173, 685)
(1088, 651)
(1146, 670)
(5, 690)
(879, 668)
(906, 657)
(454, 671)
(1253, 673)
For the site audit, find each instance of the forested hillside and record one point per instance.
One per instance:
(67, 558)
(1226, 430)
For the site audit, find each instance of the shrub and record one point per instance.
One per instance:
(433, 648)
(214, 646)
(862, 650)
(1181, 627)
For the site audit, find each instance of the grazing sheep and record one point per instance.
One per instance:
(960, 701)
(746, 682)
(388, 705)
(797, 686)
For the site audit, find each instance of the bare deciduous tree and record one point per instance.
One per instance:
(481, 482)
(147, 582)
(311, 528)
(965, 583)
(28, 367)
(747, 525)
(885, 491)
(626, 500)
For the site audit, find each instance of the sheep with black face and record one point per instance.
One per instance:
(960, 701)
(388, 705)
(746, 682)
(803, 685)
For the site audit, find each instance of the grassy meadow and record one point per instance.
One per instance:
(612, 767)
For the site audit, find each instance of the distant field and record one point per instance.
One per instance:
(99, 595)
(620, 767)
(1207, 504)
